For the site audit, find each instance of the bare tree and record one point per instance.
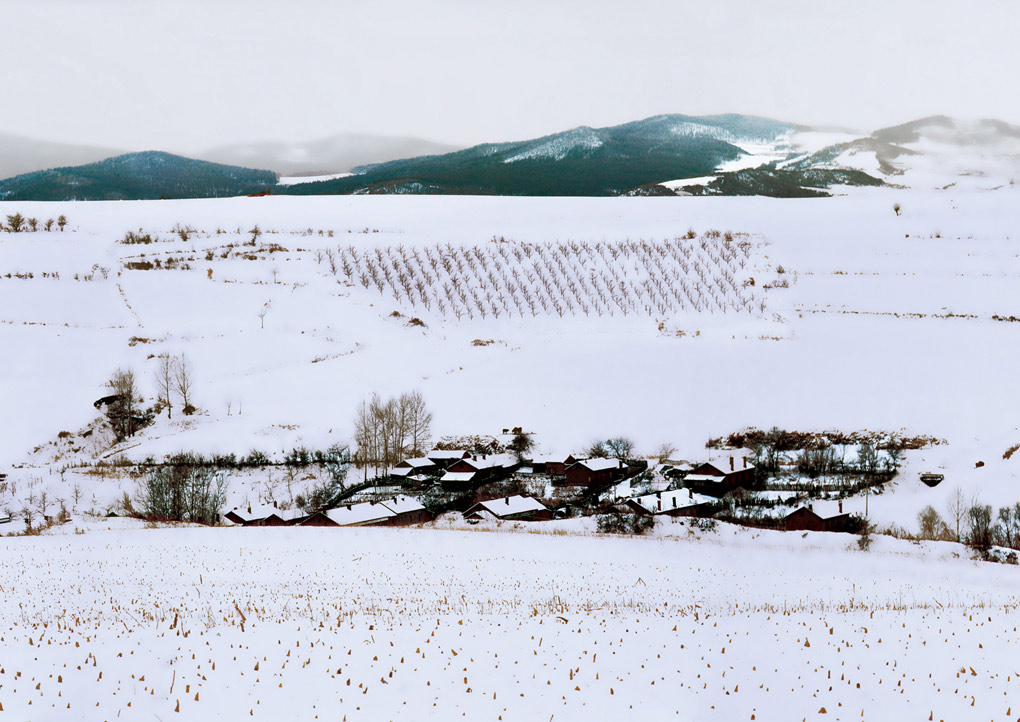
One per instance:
(120, 408)
(665, 451)
(165, 381)
(262, 314)
(387, 430)
(620, 447)
(367, 434)
(183, 382)
(419, 420)
(980, 528)
(932, 526)
(956, 510)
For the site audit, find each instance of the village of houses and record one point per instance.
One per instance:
(462, 485)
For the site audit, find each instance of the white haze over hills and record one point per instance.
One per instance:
(337, 154)
(930, 152)
(19, 154)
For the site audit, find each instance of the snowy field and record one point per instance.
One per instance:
(858, 318)
(877, 321)
(378, 624)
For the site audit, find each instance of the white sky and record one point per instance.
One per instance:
(188, 74)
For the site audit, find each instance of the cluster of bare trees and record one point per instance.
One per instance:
(618, 447)
(973, 523)
(17, 223)
(182, 490)
(122, 406)
(175, 378)
(387, 431)
(509, 278)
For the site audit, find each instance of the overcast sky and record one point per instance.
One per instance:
(189, 74)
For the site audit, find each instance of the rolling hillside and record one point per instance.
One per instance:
(580, 162)
(150, 175)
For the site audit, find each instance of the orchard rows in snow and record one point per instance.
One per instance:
(706, 274)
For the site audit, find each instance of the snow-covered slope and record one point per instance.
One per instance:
(877, 321)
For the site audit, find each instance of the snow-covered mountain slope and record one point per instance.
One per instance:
(936, 152)
(581, 161)
(859, 319)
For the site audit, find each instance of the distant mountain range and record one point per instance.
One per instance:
(663, 155)
(137, 176)
(580, 162)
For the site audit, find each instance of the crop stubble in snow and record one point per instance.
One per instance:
(413, 623)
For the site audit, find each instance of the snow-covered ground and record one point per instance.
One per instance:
(370, 624)
(886, 323)
(870, 320)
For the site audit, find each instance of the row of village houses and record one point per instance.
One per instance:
(399, 511)
(405, 511)
(462, 469)
(703, 484)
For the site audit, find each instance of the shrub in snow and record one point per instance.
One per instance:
(615, 522)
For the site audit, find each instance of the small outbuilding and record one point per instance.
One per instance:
(510, 508)
(679, 502)
(593, 472)
(410, 467)
(555, 465)
(721, 475)
(406, 511)
(367, 513)
(444, 457)
(265, 515)
(819, 517)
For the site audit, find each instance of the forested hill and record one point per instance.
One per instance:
(149, 175)
(580, 162)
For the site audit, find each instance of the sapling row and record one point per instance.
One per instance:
(706, 274)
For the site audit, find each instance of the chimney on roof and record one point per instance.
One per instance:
(508, 501)
(659, 504)
(275, 505)
(745, 461)
(731, 463)
(840, 506)
(348, 507)
(690, 494)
